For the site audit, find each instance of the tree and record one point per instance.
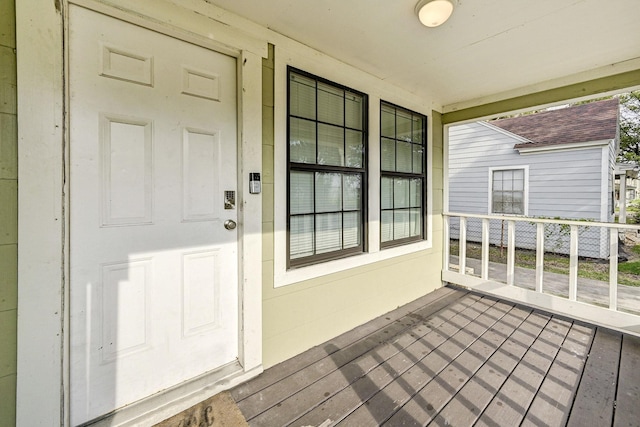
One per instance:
(630, 127)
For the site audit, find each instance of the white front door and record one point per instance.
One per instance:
(154, 271)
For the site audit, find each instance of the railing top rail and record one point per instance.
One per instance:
(546, 220)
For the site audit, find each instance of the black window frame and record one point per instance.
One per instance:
(407, 175)
(315, 167)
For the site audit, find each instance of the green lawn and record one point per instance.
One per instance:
(628, 272)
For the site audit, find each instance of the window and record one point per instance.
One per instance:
(403, 175)
(508, 192)
(326, 185)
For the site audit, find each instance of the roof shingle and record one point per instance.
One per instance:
(595, 121)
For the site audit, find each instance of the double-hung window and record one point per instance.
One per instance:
(402, 174)
(326, 185)
(508, 191)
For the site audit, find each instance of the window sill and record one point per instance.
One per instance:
(285, 277)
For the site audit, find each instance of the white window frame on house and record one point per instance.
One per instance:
(525, 198)
(296, 56)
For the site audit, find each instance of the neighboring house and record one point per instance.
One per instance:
(143, 266)
(553, 164)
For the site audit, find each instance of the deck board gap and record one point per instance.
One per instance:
(302, 361)
(443, 389)
(279, 407)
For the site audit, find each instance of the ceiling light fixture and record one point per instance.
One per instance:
(434, 12)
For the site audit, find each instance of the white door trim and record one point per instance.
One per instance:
(43, 344)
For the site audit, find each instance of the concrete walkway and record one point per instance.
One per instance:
(589, 291)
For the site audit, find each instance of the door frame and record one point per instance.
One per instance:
(43, 196)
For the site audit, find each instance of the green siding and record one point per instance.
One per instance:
(8, 214)
(591, 87)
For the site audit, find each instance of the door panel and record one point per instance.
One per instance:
(154, 287)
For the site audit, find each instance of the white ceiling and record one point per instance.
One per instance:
(486, 47)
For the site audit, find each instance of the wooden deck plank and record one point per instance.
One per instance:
(510, 404)
(553, 401)
(595, 398)
(316, 393)
(384, 403)
(453, 367)
(269, 397)
(445, 402)
(296, 363)
(477, 394)
(352, 397)
(472, 398)
(628, 396)
(428, 402)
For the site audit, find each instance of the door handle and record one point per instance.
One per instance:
(230, 224)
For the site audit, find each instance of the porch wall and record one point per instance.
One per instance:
(8, 213)
(298, 316)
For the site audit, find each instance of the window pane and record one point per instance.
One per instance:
(301, 192)
(401, 193)
(330, 145)
(301, 236)
(518, 202)
(354, 148)
(388, 155)
(497, 202)
(416, 222)
(352, 185)
(354, 108)
(400, 224)
(417, 158)
(387, 121)
(386, 201)
(415, 193)
(497, 180)
(328, 232)
(403, 123)
(328, 192)
(518, 174)
(417, 129)
(351, 227)
(404, 163)
(386, 226)
(302, 96)
(330, 104)
(518, 179)
(302, 141)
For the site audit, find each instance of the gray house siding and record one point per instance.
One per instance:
(563, 184)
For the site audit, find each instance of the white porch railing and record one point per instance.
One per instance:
(595, 300)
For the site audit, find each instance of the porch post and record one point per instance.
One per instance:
(622, 216)
(42, 349)
(573, 264)
(613, 269)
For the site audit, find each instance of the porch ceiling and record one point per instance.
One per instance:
(486, 48)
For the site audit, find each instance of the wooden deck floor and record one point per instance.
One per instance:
(454, 358)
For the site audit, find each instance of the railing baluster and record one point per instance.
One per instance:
(539, 256)
(613, 269)
(511, 252)
(573, 264)
(485, 249)
(579, 241)
(462, 258)
(447, 242)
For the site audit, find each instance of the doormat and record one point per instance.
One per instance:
(218, 411)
